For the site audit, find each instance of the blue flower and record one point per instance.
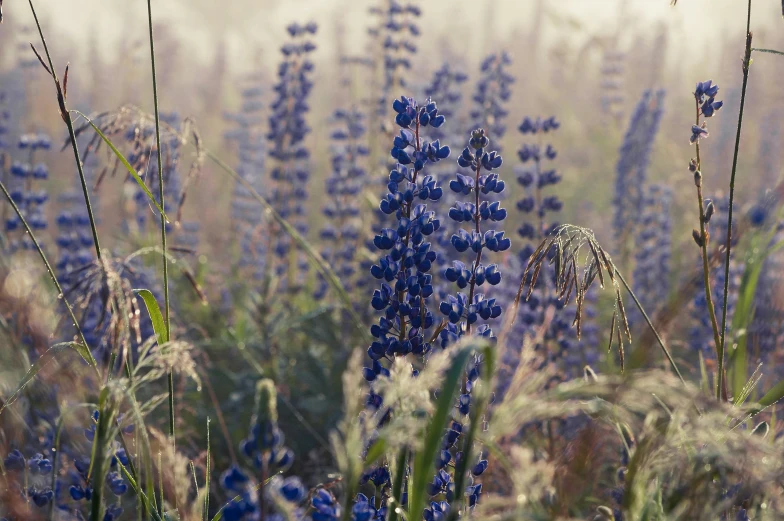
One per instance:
(697, 132)
(631, 168)
(288, 129)
(325, 507)
(493, 91)
(404, 267)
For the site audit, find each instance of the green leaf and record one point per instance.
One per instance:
(125, 163)
(425, 459)
(477, 414)
(158, 324)
(773, 396)
(43, 361)
(744, 314)
(375, 451)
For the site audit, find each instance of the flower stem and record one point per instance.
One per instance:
(704, 238)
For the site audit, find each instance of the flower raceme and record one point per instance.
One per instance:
(404, 268)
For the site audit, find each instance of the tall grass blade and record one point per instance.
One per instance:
(769, 51)
(42, 255)
(166, 306)
(124, 162)
(425, 459)
(477, 414)
(66, 116)
(99, 463)
(49, 356)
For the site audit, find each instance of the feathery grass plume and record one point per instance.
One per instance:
(631, 169)
(575, 273)
(133, 130)
(673, 455)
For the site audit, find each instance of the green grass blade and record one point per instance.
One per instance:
(56, 448)
(774, 395)
(236, 499)
(477, 414)
(49, 269)
(49, 356)
(425, 459)
(124, 162)
(207, 476)
(139, 492)
(158, 324)
(769, 51)
(744, 313)
(105, 433)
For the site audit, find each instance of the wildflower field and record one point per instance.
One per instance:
(391, 260)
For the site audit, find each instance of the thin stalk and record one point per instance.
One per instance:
(62, 91)
(207, 475)
(746, 65)
(650, 325)
(50, 270)
(704, 238)
(166, 312)
(397, 487)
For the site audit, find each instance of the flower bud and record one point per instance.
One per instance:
(698, 238)
(697, 178)
(709, 211)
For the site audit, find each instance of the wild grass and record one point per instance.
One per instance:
(685, 454)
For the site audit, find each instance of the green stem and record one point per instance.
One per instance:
(166, 312)
(650, 325)
(769, 51)
(704, 238)
(746, 65)
(66, 115)
(397, 487)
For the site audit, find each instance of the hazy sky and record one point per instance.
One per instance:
(247, 23)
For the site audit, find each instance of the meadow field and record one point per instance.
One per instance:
(391, 260)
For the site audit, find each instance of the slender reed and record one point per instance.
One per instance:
(746, 65)
(62, 100)
(60, 293)
(166, 315)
